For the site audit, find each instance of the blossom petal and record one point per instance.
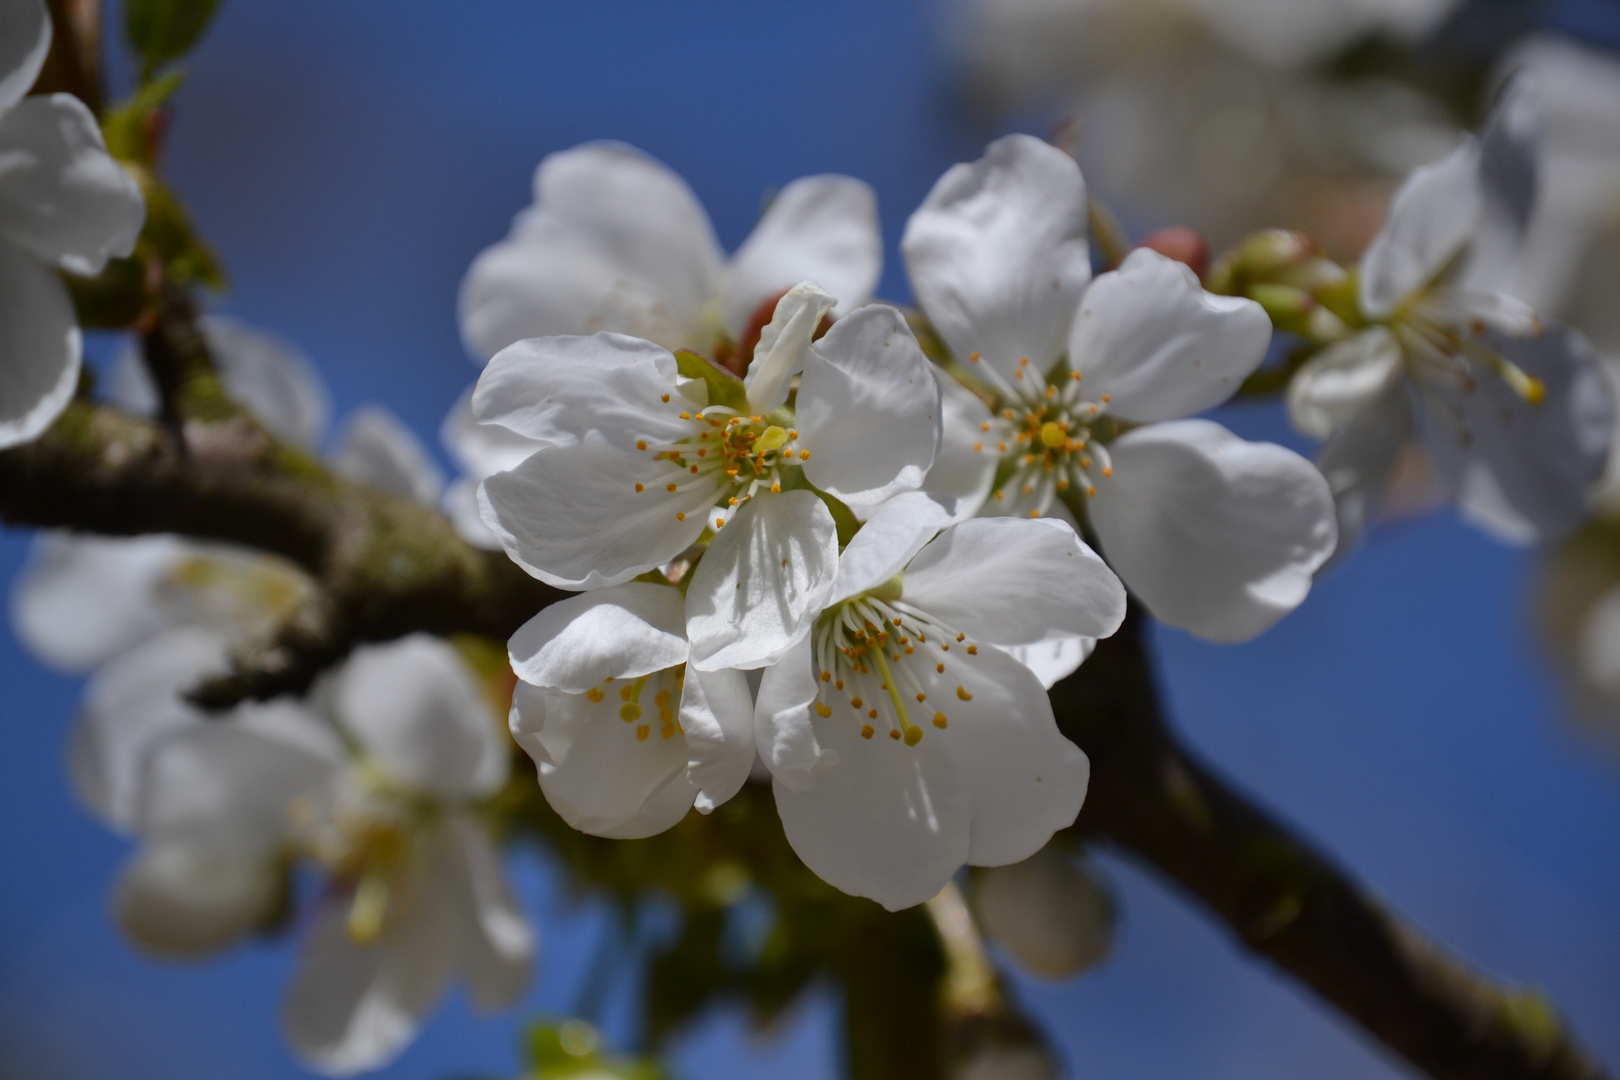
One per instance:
(868, 408)
(353, 1007)
(1217, 535)
(1360, 460)
(998, 254)
(1525, 471)
(460, 505)
(1013, 582)
(39, 347)
(960, 471)
(481, 449)
(556, 390)
(763, 581)
(783, 731)
(717, 715)
(824, 228)
(599, 771)
(25, 40)
(1149, 338)
(181, 899)
(572, 517)
(1508, 168)
(621, 632)
(1054, 918)
(887, 541)
(414, 705)
(1340, 381)
(379, 450)
(1431, 219)
(783, 343)
(62, 196)
(498, 953)
(614, 241)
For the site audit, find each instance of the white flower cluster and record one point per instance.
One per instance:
(853, 566)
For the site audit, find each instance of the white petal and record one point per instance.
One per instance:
(39, 347)
(481, 449)
(1508, 168)
(998, 254)
(25, 39)
(783, 731)
(354, 1007)
(1053, 918)
(1360, 461)
(717, 715)
(783, 343)
(82, 600)
(883, 546)
(460, 505)
(763, 581)
(1431, 219)
(1538, 462)
(1149, 338)
(416, 707)
(572, 517)
(868, 408)
(959, 471)
(1339, 382)
(182, 900)
(621, 632)
(272, 378)
(824, 228)
(1016, 582)
(556, 390)
(614, 241)
(377, 449)
(129, 706)
(62, 195)
(599, 771)
(1217, 535)
(499, 946)
(1052, 660)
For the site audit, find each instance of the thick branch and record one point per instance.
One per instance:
(1284, 900)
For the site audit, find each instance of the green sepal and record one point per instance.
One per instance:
(127, 128)
(164, 30)
(724, 387)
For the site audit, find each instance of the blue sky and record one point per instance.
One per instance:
(348, 160)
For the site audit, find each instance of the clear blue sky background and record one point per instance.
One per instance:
(348, 160)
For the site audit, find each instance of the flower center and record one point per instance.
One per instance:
(877, 661)
(1443, 340)
(1045, 438)
(639, 701)
(728, 457)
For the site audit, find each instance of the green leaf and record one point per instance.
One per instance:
(128, 127)
(165, 30)
(724, 387)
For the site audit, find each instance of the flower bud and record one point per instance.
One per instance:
(1262, 257)
(1181, 244)
(1053, 917)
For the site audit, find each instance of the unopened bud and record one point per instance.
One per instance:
(1181, 244)
(1287, 306)
(1261, 257)
(1055, 919)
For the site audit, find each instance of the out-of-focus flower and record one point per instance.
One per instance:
(64, 203)
(904, 736)
(376, 448)
(1212, 112)
(1054, 918)
(617, 242)
(1081, 385)
(625, 734)
(416, 897)
(1515, 415)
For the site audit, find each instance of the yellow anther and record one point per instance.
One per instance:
(804, 455)
(940, 668)
(1052, 435)
(792, 434)
(1106, 398)
(671, 488)
(1108, 470)
(776, 489)
(939, 720)
(961, 692)
(871, 714)
(823, 710)
(1075, 375)
(1091, 489)
(694, 469)
(665, 399)
(922, 697)
(985, 426)
(973, 650)
(893, 734)
(667, 731)
(642, 731)
(839, 685)
(973, 357)
(661, 699)
(826, 676)
(686, 416)
(641, 487)
(680, 517)
(856, 702)
(641, 444)
(961, 637)
(978, 446)
(595, 694)
(866, 731)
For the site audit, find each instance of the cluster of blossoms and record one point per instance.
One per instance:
(852, 568)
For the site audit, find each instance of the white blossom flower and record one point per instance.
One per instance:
(627, 736)
(480, 451)
(1515, 416)
(638, 462)
(64, 203)
(377, 449)
(1090, 379)
(417, 895)
(1054, 918)
(904, 736)
(615, 241)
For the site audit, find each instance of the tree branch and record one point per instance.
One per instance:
(390, 567)
(1286, 902)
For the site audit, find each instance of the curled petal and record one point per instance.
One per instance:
(39, 347)
(783, 731)
(717, 715)
(868, 408)
(620, 632)
(887, 542)
(1342, 380)
(1150, 339)
(824, 228)
(1217, 535)
(1431, 219)
(998, 254)
(783, 343)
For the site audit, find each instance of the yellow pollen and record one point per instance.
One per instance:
(826, 676)
(1108, 471)
(866, 731)
(641, 444)
(961, 637)
(939, 719)
(978, 446)
(804, 455)
(641, 487)
(718, 525)
(680, 517)
(686, 416)
(871, 714)
(940, 668)
(776, 489)
(792, 434)
(973, 650)
(823, 710)
(855, 702)
(661, 699)
(985, 426)
(1002, 447)
(1091, 489)
(922, 697)
(671, 488)
(595, 694)
(1052, 435)
(694, 470)
(973, 357)
(962, 693)
(665, 399)
(642, 731)
(667, 731)
(1106, 398)
(1024, 362)
(893, 734)
(1075, 375)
